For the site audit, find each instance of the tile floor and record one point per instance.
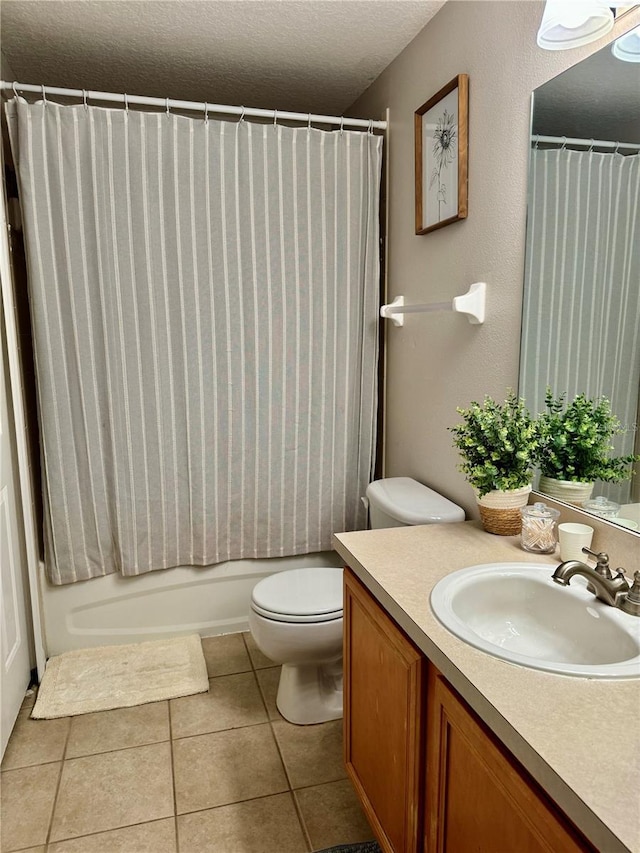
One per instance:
(221, 772)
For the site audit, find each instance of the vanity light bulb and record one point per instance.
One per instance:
(627, 47)
(572, 23)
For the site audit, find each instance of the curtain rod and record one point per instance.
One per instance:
(196, 106)
(591, 143)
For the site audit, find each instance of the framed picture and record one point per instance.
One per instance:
(441, 130)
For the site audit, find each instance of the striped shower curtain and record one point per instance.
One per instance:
(204, 298)
(581, 328)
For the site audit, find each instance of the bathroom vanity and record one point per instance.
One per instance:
(450, 748)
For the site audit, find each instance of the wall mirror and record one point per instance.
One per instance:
(581, 308)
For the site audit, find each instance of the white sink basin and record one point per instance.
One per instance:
(516, 612)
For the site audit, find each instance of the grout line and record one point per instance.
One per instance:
(173, 779)
(246, 645)
(59, 782)
(93, 834)
(116, 749)
(320, 784)
(282, 761)
(235, 803)
(222, 731)
(262, 695)
(303, 825)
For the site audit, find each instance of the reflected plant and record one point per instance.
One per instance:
(444, 153)
(575, 441)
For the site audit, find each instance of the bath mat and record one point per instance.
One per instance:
(107, 677)
(362, 847)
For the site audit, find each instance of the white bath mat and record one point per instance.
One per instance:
(107, 677)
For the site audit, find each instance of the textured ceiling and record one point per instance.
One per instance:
(306, 55)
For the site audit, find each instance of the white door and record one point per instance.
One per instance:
(15, 663)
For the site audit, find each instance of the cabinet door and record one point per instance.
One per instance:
(478, 797)
(383, 719)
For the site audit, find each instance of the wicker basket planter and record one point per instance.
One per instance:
(500, 511)
(565, 490)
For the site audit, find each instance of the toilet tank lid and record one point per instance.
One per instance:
(410, 502)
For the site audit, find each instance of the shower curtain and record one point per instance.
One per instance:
(582, 285)
(204, 297)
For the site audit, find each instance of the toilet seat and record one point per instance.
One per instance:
(300, 595)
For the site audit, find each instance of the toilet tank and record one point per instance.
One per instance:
(401, 501)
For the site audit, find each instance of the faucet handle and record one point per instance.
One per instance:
(602, 562)
(634, 593)
(631, 601)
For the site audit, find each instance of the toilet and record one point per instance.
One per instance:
(296, 615)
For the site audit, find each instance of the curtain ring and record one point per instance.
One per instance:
(309, 122)
(370, 131)
(126, 103)
(206, 113)
(44, 95)
(593, 142)
(341, 125)
(244, 109)
(275, 118)
(167, 104)
(536, 141)
(15, 91)
(616, 148)
(564, 143)
(84, 99)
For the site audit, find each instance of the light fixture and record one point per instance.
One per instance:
(572, 23)
(627, 47)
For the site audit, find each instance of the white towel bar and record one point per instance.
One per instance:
(471, 303)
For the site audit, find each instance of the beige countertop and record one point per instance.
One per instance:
(578, 737)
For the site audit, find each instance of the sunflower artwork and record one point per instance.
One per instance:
(445, 139)
(441, 157)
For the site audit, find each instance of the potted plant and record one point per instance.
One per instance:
(574, 443)
(497, 443)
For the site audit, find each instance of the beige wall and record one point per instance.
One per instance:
(438, 361)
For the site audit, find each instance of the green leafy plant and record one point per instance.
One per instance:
(574, 441)
(497, 443)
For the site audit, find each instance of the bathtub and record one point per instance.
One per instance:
(113, 609)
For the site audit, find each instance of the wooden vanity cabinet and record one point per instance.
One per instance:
(384, 680)
(478, 798)
(431, 777)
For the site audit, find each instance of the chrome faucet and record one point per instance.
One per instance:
(612, 589)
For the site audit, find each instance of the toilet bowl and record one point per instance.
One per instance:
(296, 615)
(296, 620)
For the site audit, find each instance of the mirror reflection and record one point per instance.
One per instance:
(581, 328)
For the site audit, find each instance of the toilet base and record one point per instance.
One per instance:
(310, 693)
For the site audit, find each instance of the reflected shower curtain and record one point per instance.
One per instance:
(581, 326)
(204, 305)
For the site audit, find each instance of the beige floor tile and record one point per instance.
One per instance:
(232, 701)
(114, 789)
(267, 825)
(268, 679)
(311, 754)
(35, 742)
(226, 767)
(258, 660)
(332, 815)
(105, 731)
(32, 791)
(159, 836)
(225, 655)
